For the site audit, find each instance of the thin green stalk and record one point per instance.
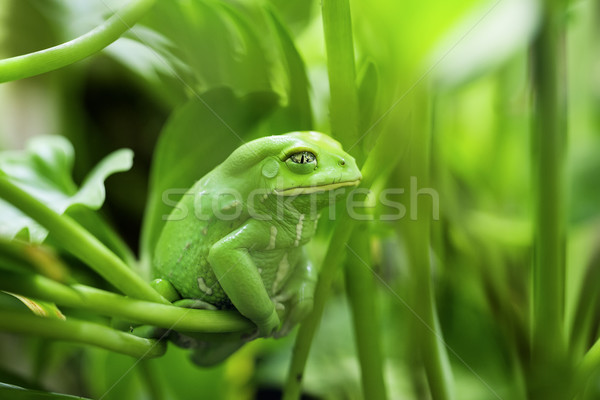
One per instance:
(73, 330)
(80, 243)
(362, 296)
(418, 236)
(337, 26)
(114, 305)
(114, 240)
(386, 148)
(151, 378)
(549, 139)
(77, 49)
(335, 251)
(308, 327)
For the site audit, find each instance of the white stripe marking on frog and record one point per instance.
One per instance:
(299, 230)
(202, 286)
(282, 272)
(273, 237)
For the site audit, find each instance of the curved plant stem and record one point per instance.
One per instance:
(77, 49)
(111, 304)
(80, 332)
(80, 243)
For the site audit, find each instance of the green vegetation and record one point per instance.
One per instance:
(466, 268)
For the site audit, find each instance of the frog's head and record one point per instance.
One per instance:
(293, 164)
(310, 162)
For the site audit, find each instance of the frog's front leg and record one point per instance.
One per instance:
(239, 277)
(297, 295)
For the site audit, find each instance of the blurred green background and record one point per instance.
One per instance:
(447, 83)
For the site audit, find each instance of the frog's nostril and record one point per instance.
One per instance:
(342, 162)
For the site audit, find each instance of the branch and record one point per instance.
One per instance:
(114, 305)
(81, 332)
(81, 243)
(77, 49)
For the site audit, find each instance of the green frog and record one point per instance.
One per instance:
(235, 239)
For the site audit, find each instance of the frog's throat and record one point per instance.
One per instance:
(314, 189)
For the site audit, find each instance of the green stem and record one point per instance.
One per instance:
(418, 236)
(77, 49)
(114, 240)
(151, 378)
(362, 296)
(73, 330)
(337, 26)
(385, 149)
(549, 139)
(114, 305)
(308, 327)
(80, 243)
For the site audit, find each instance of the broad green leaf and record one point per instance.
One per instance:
(296, 113)
(216, 46)
(44, 171)
(196, 138)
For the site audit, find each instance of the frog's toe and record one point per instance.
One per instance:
(297, 313)
(267, 327)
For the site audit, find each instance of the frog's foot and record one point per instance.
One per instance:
(204, 353)
(207, 354)
(183, 340)
(296, 313)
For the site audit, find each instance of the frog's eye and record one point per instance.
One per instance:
(303, 157)
(302, 162)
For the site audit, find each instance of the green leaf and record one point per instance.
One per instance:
(40, 308)
(368, 91)
(297, 113)
(44, 171)
(213, 45)
(196, 138)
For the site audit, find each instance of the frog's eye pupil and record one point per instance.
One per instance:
(303, 157)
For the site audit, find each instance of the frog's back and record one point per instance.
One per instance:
(182, 248)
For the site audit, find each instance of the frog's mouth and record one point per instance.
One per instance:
(295, 191)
